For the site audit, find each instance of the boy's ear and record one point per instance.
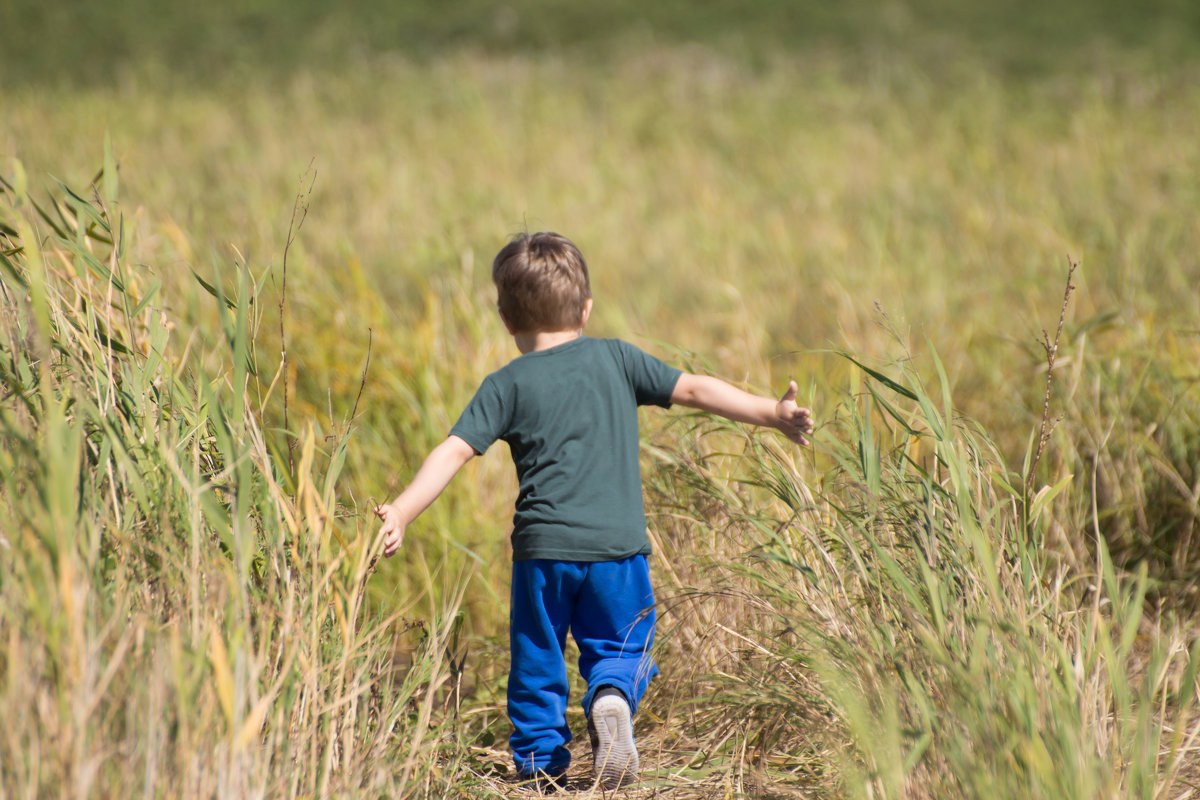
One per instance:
(507, 324)
(587, 312)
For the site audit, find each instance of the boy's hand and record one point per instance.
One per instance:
(795, 422)
(392, 530)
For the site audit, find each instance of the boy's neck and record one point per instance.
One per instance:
(543, 340)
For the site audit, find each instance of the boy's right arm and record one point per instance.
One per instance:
(439, 467)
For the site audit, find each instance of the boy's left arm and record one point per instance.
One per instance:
(718, 397)
(436, 472)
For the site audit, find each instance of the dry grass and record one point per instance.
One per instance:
(869, 618)
(182, 614)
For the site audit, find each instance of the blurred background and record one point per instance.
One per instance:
(84, 43)
(767, 191)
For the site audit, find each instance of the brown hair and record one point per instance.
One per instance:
(542, 283)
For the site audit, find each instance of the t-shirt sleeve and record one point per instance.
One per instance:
(653, 381)
(484, 419)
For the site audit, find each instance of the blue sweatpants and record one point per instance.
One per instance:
(609, 608)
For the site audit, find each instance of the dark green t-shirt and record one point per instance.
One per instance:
(569, 416)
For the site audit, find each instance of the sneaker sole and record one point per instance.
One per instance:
(616, 755)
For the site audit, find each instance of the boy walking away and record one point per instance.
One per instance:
(567, 407)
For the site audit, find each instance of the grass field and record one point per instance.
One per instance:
(982, 578)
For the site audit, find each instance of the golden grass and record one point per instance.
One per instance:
(747, 220)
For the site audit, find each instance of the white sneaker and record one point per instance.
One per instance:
(610, 725)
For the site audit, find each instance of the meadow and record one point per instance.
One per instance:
(245, 291)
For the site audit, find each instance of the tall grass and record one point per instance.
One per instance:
(182, 615)
(897, 629)
(885, 615)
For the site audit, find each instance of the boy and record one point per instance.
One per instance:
(567, 407)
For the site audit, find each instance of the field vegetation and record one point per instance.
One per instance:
(244, 287)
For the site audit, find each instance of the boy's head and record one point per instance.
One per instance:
(542, 283)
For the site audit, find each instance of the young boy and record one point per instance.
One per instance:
(567, 407)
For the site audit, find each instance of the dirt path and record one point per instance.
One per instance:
(666, 773)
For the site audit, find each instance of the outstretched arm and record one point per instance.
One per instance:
(439, 467)
(718, 397)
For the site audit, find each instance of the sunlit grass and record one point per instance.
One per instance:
(745, 219)
(183, 610)
(903, 606)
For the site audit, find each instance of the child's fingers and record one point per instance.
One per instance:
(802, 417)
(799, 425)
